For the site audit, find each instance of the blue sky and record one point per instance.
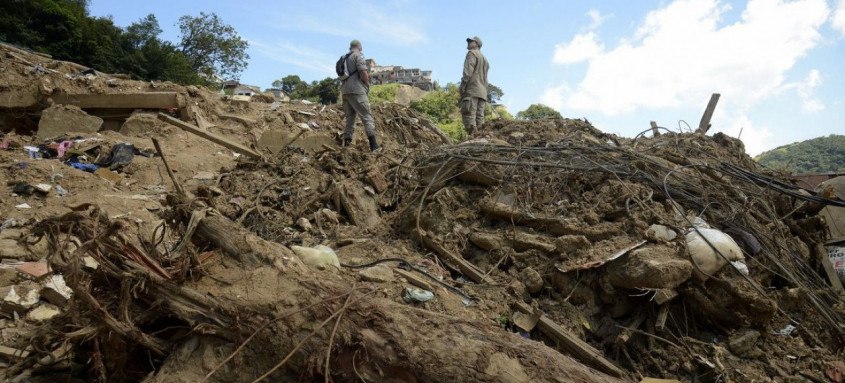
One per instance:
(779, 65)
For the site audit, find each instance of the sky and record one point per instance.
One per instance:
(778, 65)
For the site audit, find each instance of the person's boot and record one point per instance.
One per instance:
(347, 142)
(373, 143)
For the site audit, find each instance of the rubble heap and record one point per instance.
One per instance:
(242, 244)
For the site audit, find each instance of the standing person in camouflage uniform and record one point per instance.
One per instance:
(474, 86)
(355, 89)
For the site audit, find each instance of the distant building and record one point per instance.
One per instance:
(387, 74)
(811, 181)
(237, 89)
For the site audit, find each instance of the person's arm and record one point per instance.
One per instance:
(362, 69)
(469, 68)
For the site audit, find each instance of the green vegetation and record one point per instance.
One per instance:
(382, 93)
(65, 30)
(818, 155)
(325, 91)
(442, 107)
(537, 112)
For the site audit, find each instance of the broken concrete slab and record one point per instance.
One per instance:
(145, 100)
(18, 298)
(43, 312)
(243, 120)
(34, 270)
(61, 119)
(359, 206)
(378, 273)
(56, 291)
(653, 267)
(7, 276)
(26, 97)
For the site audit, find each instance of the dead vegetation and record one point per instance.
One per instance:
(537, 251)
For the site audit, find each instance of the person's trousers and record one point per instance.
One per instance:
(357, 105)
(472, 111)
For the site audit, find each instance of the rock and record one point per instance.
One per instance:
(329, 215)
(378, 273)
(42, 188)
(205, 176)
(319, 256)
(568, 244)
(7, 276)
(56, 291)
(140, 123)
(486, 241)
(18, 298)
(109, 175)
(34, 270)
(532, 279)
(740, 344)
(516, 289)
(90, 263)
(660, 234)
(526, 241)
(60, 119)
(304, 224)
(43, 313)
(654, 267)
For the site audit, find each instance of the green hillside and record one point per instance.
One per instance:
(818, 155)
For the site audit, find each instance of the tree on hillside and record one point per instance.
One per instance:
(327, 90)
(494, 93)
(538, 111)
(817, 155)
(291, 84)
(212, 47)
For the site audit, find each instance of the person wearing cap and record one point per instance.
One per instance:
(355, 89)
(474, 86)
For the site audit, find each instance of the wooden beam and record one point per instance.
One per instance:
(662, 314)
(414, 279)
(234, 146)
(704, 125)
(574, 346)
(146, 100)
(462, 264)
(654, 131)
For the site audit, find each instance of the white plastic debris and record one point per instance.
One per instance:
(413, 294)
(319, 256)
(660, 233)
(23, 206)
(707, 260)
(741, 266)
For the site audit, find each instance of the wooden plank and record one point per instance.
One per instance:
(662, 314)
(832, 276)
(413, 279)
(704, 124)
(654, 131)
(234, 146)
(462, 264)
(635, 323)
(664, 295)
(571, 344)
(13, 352)
(146, 100)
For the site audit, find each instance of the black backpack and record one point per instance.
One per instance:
(341, 69)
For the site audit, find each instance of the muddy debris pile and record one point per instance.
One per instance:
(240, 243)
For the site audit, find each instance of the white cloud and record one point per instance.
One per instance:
(838, 19)
(596, 18)
(809, 103)
(300, 56)
(554, 96)
(681, 53)
(390, 24)
(583, 47)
